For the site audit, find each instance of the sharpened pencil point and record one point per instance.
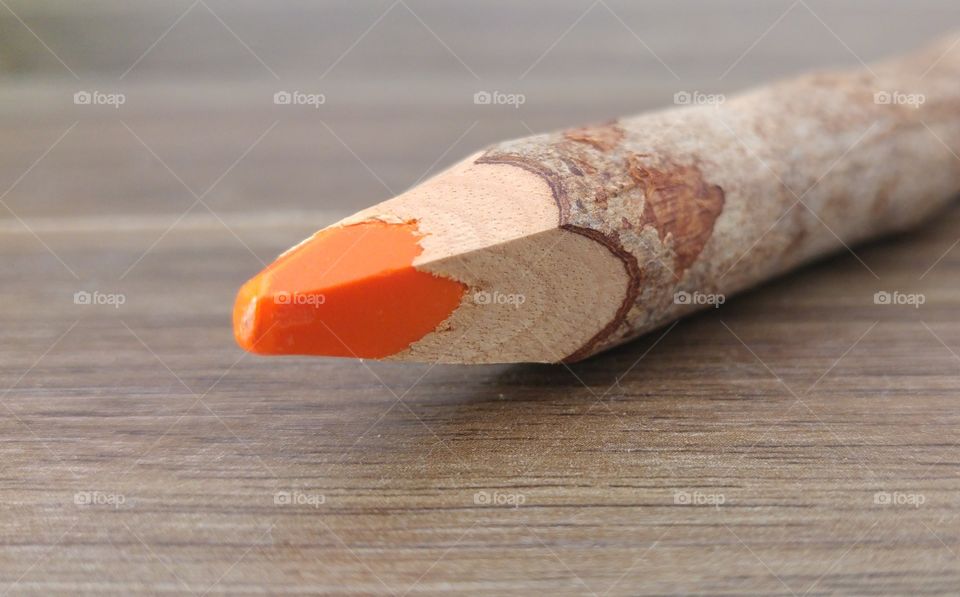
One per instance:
(348, 291)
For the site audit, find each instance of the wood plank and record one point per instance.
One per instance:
(794, 405)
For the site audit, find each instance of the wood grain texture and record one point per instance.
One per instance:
(678, 197)
(793, 405)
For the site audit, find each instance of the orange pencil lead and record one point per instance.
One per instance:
(348, 291)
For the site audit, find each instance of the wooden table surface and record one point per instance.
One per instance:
(799, 440)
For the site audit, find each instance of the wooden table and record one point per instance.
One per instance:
(801, 439)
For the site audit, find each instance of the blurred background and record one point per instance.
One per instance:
(398, 80)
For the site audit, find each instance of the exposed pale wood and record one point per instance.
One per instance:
(700, 411)
(494, 227)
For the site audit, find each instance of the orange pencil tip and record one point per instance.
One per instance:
(349, 291)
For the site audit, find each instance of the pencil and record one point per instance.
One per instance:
(558, 246)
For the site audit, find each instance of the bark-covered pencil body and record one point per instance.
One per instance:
(565, 244)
